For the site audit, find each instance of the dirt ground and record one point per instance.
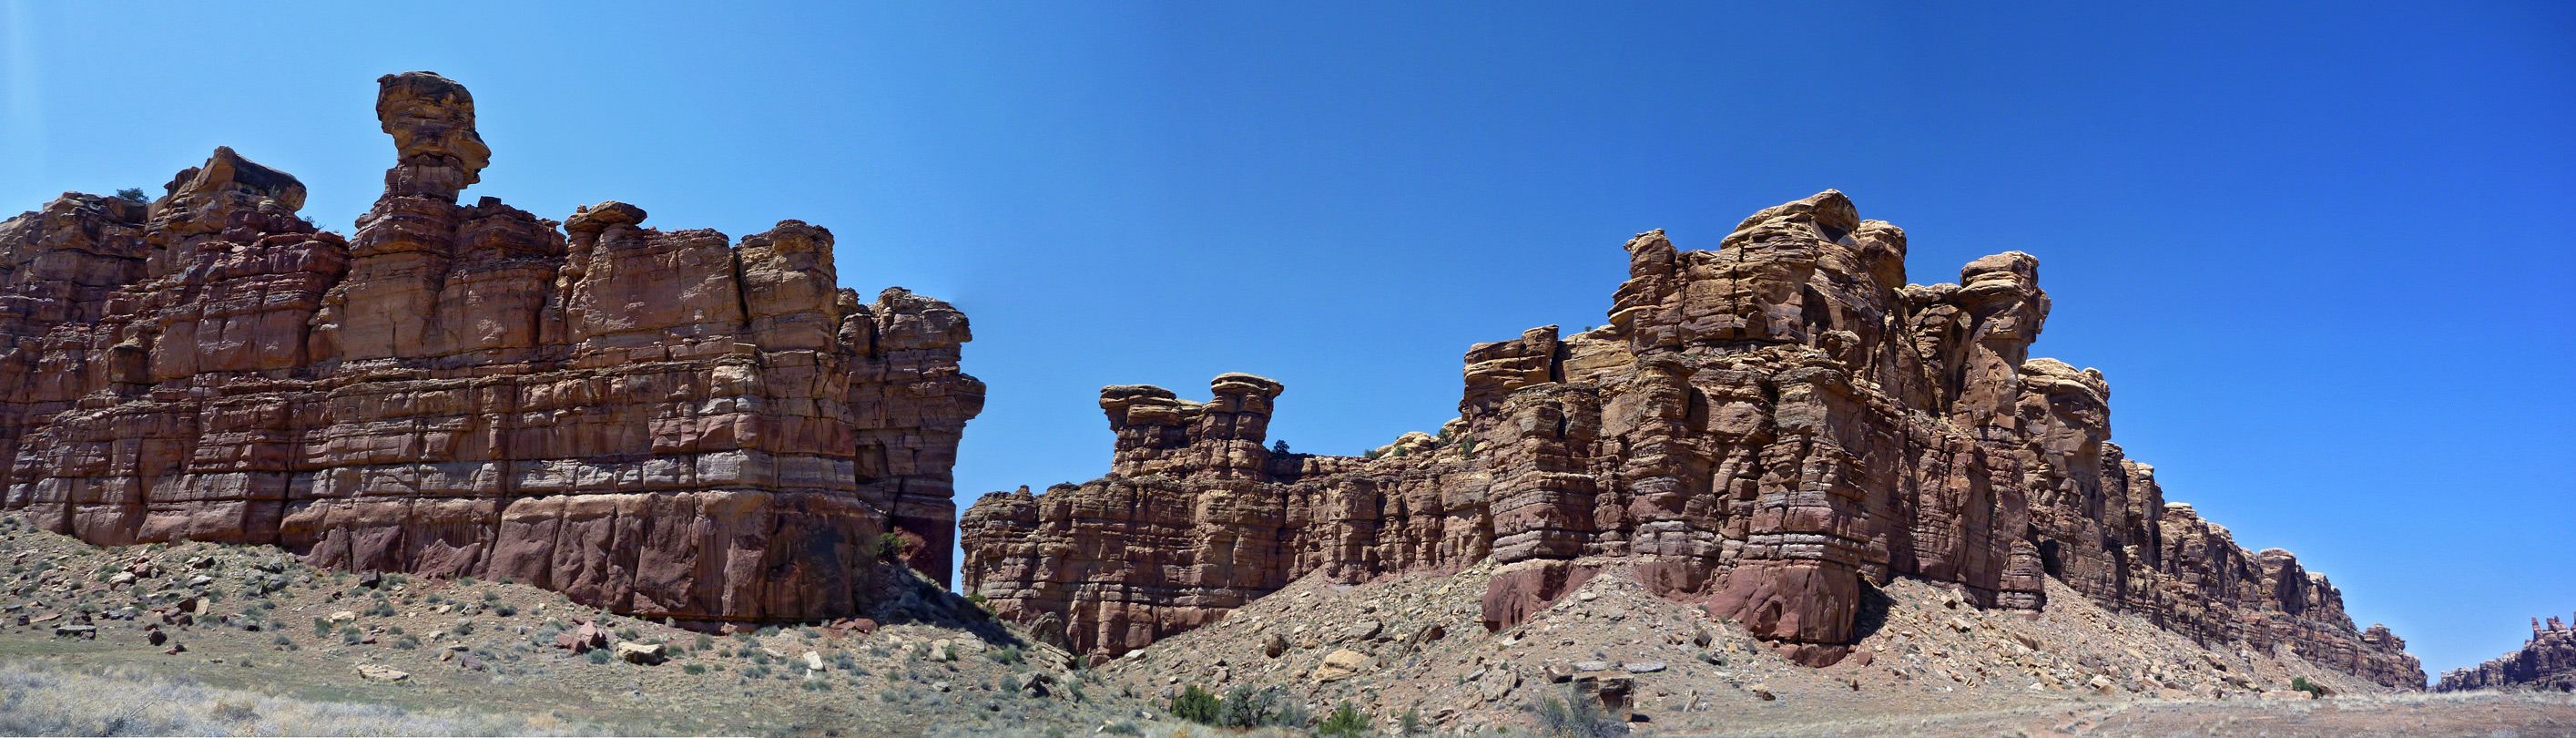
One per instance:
(245, 619)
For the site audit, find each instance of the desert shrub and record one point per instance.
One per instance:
(131, 194)
(491, 596)
(949, 653)
(464, 627)
(321, 626)
(768, 631)
(1577, 717)
(1246, 707)
(599, 656)
(704, 642)
(407, 643)
(282, 640)
(382, 610)
(1197, 705)
(437, 598)
(758, 657)
(2302, 684)
(1346, 722)
(890, 545)
(1411, 721)
(1005, 655)
(695, 668)
(1123, 728)
(394, 629)
(1009, 684)
(841, 660)
(627, 634)
(505, 610)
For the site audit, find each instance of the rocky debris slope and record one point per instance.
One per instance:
(1415, 643)
(2547, 662)
(658, 423)
(1768, 429)
(217, 614)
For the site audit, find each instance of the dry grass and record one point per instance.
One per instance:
(38, 698)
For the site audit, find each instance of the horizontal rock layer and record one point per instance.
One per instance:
(660, 423)
(2547, 662)
(1770, 429)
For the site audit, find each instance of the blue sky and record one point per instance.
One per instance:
(2321, 252)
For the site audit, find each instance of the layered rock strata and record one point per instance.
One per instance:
(1770, 429)
(2547, 662)
(658, 423)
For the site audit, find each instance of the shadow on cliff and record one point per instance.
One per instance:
(1872, 614)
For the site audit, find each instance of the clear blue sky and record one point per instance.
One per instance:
(2323, 253)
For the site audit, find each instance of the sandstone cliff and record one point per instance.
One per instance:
(2547, 662)
(1769, 429)
(658, 423)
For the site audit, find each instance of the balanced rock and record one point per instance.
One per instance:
(1766, 429)
(669, 424)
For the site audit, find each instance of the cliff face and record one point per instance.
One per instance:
(2547, 662)
(658, 423)
(1769, 428)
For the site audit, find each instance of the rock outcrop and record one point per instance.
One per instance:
(1769, 429)
(654, 422)
(2547, 662)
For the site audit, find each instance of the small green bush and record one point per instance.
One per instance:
(1196, 705)
(1346, 722)
(2302, 684)
(1123, 728)
(131, 194)
(705, 642)
(1005, 655)
(407, 643)
(695, 668)
(598, 656)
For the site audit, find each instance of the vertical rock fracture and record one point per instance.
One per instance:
(658, 423)
(1769, 429)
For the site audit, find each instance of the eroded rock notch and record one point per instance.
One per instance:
(658, 423)
(1771, 428)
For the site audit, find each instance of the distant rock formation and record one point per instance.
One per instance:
(2547, 662)
(653, 422)
(1769, 429)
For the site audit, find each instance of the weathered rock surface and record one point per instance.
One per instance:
(2547, 662)
(659, 423)
(1770, 429)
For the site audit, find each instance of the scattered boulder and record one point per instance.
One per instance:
(375, 672)
(1341, 664)
(639, 653)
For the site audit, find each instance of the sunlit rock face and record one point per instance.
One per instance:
(666, 424)
(1772, 428)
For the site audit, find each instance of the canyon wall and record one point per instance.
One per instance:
(2547, 662)
(660, 423)
(1770, 429)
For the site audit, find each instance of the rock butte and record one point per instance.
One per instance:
(2547, 662)
(657, 423)
(1769, 429)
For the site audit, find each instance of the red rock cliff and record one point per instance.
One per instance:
(658, 423)
(2547, 662)
(1767, 428)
